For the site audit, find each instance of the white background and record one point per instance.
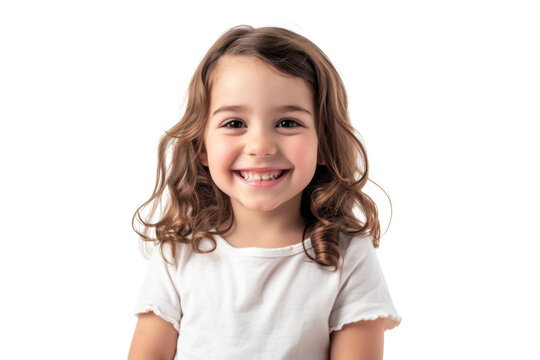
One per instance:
(446, 97)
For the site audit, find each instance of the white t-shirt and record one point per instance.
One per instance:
(262, 303)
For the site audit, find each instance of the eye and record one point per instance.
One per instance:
(233, 122)
(290, 122)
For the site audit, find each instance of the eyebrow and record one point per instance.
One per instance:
(284, 108)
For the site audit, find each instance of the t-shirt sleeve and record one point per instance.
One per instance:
(363, 293)
(159, 292)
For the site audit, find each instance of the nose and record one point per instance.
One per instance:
(259, 142)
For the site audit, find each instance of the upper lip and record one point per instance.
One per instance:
(263, 169)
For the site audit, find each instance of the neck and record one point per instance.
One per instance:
(282, 226)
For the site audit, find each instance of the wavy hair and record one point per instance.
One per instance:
(196, 205)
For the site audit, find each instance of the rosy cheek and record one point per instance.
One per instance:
(297, 147)
(303, 150)
(221, 148)
(224, 153)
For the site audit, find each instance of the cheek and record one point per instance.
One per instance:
(303, 153)
(221, 154)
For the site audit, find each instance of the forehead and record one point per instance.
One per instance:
(241, 80)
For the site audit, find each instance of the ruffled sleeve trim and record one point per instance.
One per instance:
(156, 310)
(392, 320)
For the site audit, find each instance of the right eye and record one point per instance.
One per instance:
(233, 124)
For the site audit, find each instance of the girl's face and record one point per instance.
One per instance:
(271, 126)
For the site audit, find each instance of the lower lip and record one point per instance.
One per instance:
(262, 183)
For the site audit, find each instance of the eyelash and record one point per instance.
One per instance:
(280, 121)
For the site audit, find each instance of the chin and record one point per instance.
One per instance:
(260, 207)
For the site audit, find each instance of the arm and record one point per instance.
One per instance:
(154, 339)
(362, 340)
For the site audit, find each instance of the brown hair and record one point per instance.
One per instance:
(196, 205)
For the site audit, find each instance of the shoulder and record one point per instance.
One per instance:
(355, 242)
(360, 262)
(356, 247)
(167, 254)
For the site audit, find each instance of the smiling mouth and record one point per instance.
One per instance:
(257, 177)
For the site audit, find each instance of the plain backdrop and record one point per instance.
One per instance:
(444, 93)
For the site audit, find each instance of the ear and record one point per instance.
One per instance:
(320, 161)
(203, 157)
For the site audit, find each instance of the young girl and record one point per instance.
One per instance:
(260, 255)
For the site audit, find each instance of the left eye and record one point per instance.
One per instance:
(289, 121)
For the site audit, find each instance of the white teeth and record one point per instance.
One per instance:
(271, 175)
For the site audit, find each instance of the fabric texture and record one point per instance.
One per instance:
(260, 303)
